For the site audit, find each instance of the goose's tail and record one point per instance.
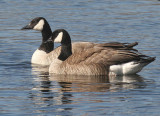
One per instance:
(146, 59)
(132, 67)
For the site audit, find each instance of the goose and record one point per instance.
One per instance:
(97, 60)
(46, 53)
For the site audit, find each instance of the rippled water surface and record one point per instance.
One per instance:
(31, 91)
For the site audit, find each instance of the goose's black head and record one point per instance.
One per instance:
(38, 23)
(41, 24)
(63, 37)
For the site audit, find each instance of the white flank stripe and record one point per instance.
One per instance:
(126, 68)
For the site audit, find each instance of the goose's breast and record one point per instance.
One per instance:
(39, 57)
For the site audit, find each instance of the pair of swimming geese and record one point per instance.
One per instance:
(85, 58)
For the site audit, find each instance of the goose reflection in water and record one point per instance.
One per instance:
(60, 91)
(73, 83)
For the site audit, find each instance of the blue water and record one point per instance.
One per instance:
(25, 91)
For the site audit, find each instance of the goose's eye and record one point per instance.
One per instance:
(33, 22)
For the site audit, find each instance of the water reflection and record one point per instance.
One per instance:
(58, 90)
(72, 83)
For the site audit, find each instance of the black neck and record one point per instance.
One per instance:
(46, 32)
(66, 51)
(46, 45)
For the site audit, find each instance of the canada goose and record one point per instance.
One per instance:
(97, 60)
(40, 55)
(45, 54)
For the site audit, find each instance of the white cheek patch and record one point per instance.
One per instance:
(39, 26)
(58, 39)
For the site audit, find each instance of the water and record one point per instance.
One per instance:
(31, 91)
